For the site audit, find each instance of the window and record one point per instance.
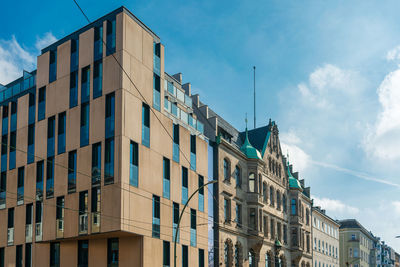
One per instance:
(51, 123)
(201, 257)
(239, 214)
(97, 78)
(134, 164)
(278, 200)
(156, 91)
(96, 164)
(74, 54)
(193, 227)
(285, 234)
(185, 256)
(28, 214)
(109, 161)
(72, 171)
(85, 84)
(175, 220)
(31, 144)
(227, 171)
(3, 189)
(201, 193)
(284, 204)
(265, 226)
(110, 115)
(4, 129)
(166, 178)
(13, 122)
(185, 192)
(54, 254)
(271, 196)
(85, 117)
(13, 144)
(156, 57)
(20, 186)
(252, 183)
(42, 104)
(268, 261)
(175, 143)
(193, 152)
(2, 259)
(98, 42)
(96, 202)
(294, 206)
(252, 221)
(156, 217)
(28, 255)
(61, 133)
(83, 212)
(39, 179)
(110, 37)
(60, 208)
(272, 228)
(73, 89)
(53, 66)
(4, 150)
(356, 253)
(166, 254)
(265, 192)
(112, 252)
(50, 177)
(146, 125)
(294, 237)
(252, 260)
(227, 210)
(38, 212)
(18, 256)
(238, 177)
(83, 253)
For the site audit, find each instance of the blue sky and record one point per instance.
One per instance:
(327, 71)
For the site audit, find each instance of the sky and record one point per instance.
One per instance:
(328, 73)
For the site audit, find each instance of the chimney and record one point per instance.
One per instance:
(178, 77)
(187, 87)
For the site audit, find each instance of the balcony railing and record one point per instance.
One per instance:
(26, 84)
(95, 222)
(60, 228)
(156, 65)
(156, 228)
(28, 233)
(83, 223)
(175, 152)
(71, 182)
(192, 161)
(38, 231)
(156, 99)
(10, 236)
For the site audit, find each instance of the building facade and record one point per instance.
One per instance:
(97, 161)
(385, 255)
(261, 212)
(356, 244)
(325, 233)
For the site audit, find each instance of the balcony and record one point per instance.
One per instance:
(38, 231)
(28, 233)
(95, 222)
(10, 236)
(83, 224)
(60, 228)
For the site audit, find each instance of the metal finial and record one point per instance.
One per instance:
(246, 120)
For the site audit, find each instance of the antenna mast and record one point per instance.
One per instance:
(254, 70)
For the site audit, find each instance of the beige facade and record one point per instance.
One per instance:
(325, 233)
(118, 218)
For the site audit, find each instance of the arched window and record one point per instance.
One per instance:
(238, 177)
(284, 204)
(278, 200)
(271, 196)
(268, 260)
(279, 170)
(252, 259)
(294, 206)
(228, 253)
(252, 182)
(238, 255)
(227, 171)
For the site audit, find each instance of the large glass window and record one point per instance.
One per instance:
(97, 79)
(238, 177)
(112, 252)
(134, 164)
(201, 257)
(175, 220)
(71, 171)
(239, 214)
(83, 212)
(166, 254)
(3, 189)
(185, 192)
(146, 125)
(18, 256)
(31, 111)
(13, 123)
(54, 254)
(83, 253)
(227, 210)
(175, 143)
(20, 185)
(73, 89)
(42, 104)
(85, 85)
(53, 66)
(4, 151)
(28, 255)
(185, 256)
(193, 227)
(50, 177)
(85, 116)
(39, 179)
(156, 92)
(74, 54)
(110, 115)
(166, 178)
(98, 42)
(109, 161)
(13, 145)
(193, 152)
(252, 183)
(61, 132)
(227, 171)
(96, 164)
(293, 206)
(201, 193)
(31, 144)
(51, 124)
(156, 217)
(110, 37)
(60, 208)
(4, 123)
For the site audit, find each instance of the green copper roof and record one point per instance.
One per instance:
(249, 150)
(293, 182)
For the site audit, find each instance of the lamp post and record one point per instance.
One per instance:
(277, 247)
(180, 216)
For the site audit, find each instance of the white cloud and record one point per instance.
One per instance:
(382, 140)
(290, 143)
(396, 206)
(336, 207)
(46, 40)
(394, 54)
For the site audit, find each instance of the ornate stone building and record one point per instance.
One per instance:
(261, 211)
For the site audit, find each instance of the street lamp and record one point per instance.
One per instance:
(277, 247)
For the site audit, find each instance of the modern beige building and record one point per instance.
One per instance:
(325, 234)
(261, 212)
(355, 244)
(97, 162)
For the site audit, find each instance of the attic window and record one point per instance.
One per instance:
(224, 134)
